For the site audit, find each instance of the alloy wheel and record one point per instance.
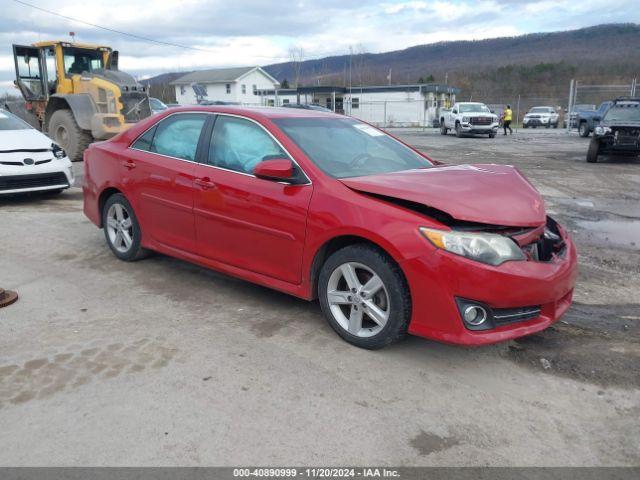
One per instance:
(358, 299)
(119, 227)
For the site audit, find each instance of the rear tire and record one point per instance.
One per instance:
(121, 229)
(583, 129)
(365, 315)
(64, 130)
(594, 150)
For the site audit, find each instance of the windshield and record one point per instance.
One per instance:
(474, 107)
(540, 110)
(11, 122)
(79, 60)
(623, 112)
(343, 147)
(157, 104)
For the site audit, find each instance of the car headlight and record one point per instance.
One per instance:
(465, 119)
(600, 130)
(483, 247)
(57, 150)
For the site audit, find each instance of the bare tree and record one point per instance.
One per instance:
(296, 55)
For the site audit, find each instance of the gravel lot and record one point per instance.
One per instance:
(164, 363)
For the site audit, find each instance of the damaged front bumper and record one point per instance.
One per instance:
(520, 297)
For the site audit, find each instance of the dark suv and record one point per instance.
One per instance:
(618, 131)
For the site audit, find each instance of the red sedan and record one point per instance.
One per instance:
(324, 206)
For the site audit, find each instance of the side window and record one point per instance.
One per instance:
(144, 142)
(239, 145)
(178, 135)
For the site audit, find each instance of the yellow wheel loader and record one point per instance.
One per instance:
(76, 93)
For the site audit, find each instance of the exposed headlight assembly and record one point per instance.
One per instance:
(600, 130)
(465, 119)
(57, 150)
(482, 247)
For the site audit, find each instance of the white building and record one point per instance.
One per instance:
(235, 85)
(385, 105)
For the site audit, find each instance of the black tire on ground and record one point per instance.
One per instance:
(583, 129)
(458, 130)
(524, 125)
(443, 129)
(135, 251)
(394, 282)
(555, 125)
(594, 150)
(492, 135)
(548, 125)
(64, 130)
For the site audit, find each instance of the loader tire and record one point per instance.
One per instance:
(64, 130)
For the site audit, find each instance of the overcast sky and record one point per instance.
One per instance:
(260, 32)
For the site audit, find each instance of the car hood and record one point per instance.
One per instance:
(28, 139)
(490, 194)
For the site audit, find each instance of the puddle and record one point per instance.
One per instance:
(616, 232)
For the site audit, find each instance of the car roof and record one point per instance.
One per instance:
(258, 112)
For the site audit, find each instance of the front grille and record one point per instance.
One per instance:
(135, 106)
(481, 121)
(16, 182)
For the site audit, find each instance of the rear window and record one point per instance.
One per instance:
(11, 122)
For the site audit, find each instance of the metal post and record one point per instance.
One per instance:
(384, 122)
(333, 100)
(517, 113)
(568, 116)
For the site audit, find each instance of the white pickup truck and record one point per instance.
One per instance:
(468, 118)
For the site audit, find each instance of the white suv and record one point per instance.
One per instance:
(541, 117)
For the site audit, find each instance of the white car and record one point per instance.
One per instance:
(541, 117)
(29, 160)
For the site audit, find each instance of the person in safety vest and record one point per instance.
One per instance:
(507, 116)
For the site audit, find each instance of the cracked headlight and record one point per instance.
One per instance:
(482, 247)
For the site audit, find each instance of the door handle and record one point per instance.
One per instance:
(129, 164)
(205, 183)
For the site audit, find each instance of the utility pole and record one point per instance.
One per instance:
(350, 84)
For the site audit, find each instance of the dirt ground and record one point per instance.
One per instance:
(161, 362)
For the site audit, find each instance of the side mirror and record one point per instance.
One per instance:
(278, 169)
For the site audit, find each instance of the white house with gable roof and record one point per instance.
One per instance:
(235, 85)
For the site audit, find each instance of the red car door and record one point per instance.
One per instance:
(255, 224)
(160, 166)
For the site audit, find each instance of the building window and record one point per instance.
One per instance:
(244, 89)
(255, 89)
(270, 103)
(182, 90)
(228, 85)
(355, 103)
(285, 101)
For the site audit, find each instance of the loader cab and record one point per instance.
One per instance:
(47, 68)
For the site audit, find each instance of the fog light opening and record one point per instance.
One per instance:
(475, 315)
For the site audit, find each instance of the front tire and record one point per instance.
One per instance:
(594, 150)
(443, 129)
(64, 130)
(121, 229)
(492, 135)
(458, 130)
(364, 296)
